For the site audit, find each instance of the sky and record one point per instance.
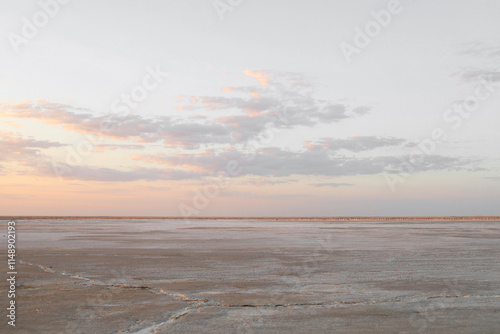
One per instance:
(250, 108)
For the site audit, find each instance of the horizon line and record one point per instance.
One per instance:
(279, 218)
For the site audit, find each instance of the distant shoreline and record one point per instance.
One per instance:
(353, 218)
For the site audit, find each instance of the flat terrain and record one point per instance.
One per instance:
(167, 276)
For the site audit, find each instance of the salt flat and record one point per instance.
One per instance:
(156, 276)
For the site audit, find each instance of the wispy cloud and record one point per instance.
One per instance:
(486, 58)
(333, 184)
(121, 127)
(261, 76)
(273, 161)
(282, 104)
(90, 173)
(354, 144)
(21, 149)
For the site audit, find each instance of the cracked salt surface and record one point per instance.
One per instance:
(132, 276)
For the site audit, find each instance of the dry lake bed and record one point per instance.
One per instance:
(164, 276)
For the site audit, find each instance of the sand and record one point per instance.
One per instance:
(158, 276)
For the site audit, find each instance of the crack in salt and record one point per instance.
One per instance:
(370, 302)
(154, 329)
(156, 291)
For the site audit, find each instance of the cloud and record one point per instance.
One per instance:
(320, 158)
(29, 153)
(121, 127)
(273, 161)
(255, 95)
(332, 184)
(486, 58)
(258, 181)
(283, 108)
(269, 161)
(355, 144)
(15, 148)
(260, 76)
(234, 194)
(286, 104)
(488, 75)
(89, 173)
(362, 110)
(479, 49)
(114, 147)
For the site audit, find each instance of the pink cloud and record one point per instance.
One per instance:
(261, 77)
(255, 95)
